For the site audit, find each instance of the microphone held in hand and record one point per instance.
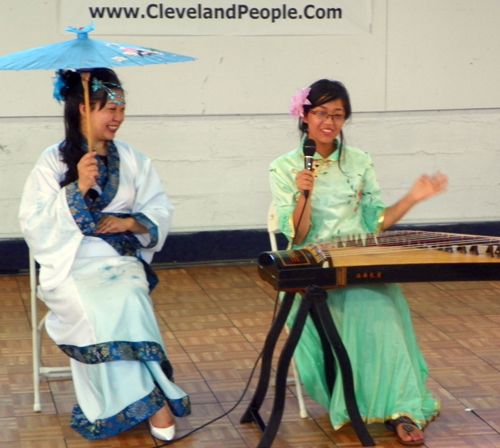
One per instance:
(309, 149)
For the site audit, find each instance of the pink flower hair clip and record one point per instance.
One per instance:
(298, 101)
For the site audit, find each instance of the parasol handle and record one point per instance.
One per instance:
(85, 76)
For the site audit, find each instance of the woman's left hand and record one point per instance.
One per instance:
(113, 224)
(427, 186)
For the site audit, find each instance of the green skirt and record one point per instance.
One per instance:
(389, 369)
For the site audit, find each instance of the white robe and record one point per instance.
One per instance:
(101, 312)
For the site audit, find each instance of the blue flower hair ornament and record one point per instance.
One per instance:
(60, 89)
(118, 99)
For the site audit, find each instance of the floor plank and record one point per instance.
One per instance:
(214, 321)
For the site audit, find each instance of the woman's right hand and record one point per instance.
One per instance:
(305, 181)
(302, 211)
(87, 172)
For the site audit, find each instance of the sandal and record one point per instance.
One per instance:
(408, 425)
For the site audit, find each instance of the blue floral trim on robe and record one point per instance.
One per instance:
(129, 417)
(143, 220)
(78, 209)
(108, 178)
(88, 213)
(116, 351)
(180, 407)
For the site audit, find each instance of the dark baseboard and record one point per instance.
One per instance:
(225, 245)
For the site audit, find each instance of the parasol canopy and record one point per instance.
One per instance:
(83, 54)
(86, 53)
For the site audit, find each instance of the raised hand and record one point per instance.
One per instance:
(424, 188)
(427, 186)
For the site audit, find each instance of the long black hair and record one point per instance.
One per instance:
(322, 92)
(73, 147)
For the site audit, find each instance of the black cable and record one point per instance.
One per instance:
(239, 400)
(256, 362)
(220, 416)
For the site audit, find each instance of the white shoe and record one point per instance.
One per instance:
(165, 434)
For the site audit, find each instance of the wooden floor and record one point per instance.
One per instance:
(214, 321)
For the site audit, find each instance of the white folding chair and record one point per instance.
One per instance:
(273, 229)
(37, 330)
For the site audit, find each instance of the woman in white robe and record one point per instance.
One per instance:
(93, 220)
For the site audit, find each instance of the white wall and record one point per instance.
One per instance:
(423, 85)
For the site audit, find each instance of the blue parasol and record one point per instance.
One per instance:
(86, 53)
(83, 54)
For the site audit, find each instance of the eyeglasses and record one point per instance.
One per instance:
(322, 116)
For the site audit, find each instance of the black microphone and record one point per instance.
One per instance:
(309, 149)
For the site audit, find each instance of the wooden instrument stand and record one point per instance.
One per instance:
(314, 304)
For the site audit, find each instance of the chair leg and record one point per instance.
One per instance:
(38, 370)
(35, 334)
(61, 373)
(37, 407)
(298, 388)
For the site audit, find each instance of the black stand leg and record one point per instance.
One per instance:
(345, 367)
(314, 303)
(283, 364)
(329, 360)
(252, 412)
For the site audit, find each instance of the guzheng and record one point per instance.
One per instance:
(389, 257)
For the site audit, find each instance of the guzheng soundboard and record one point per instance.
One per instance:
(389, 257)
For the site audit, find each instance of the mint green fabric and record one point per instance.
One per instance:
(344, 202)
(374, 321)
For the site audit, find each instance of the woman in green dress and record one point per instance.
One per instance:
(340, 196)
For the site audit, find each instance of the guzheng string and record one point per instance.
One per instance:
(401, 240)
